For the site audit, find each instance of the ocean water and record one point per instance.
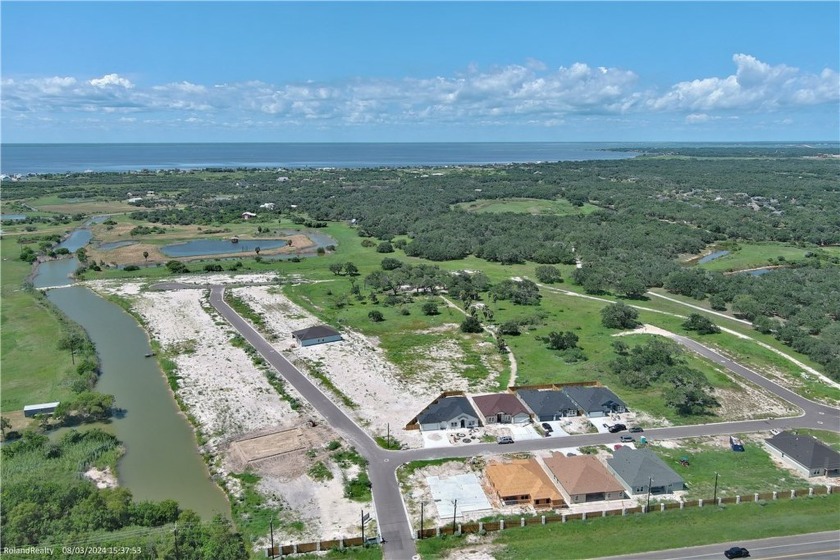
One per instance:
(62, 158)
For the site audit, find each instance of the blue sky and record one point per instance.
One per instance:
(419, 71)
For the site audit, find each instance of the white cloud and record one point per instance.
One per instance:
(754, 86)
(111, 80)
(526, 94)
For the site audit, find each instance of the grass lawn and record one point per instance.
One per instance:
(655, 531)
(535, 206)
(754, 255)
(742, 473)
(32, 366)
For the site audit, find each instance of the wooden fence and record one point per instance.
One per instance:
(479, 527)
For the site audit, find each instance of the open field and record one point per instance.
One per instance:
(753, 255)
(33, 367)
(535, 206)
(740, 473)
(639, 533)
(84, 205)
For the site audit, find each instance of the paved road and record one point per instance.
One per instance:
(390, 513)
(813, 546)
(394, 526)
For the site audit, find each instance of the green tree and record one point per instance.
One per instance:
(222, 542)
(5, 424)
(430, 308)
(336, 268)
(351, 269)
(701, 324)
(619, 316)
(548, 274)
(376, 316)
(385, 247)
(471, 325)
(509, 328)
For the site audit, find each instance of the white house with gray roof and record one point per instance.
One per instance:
(448, 413)
(595, 401)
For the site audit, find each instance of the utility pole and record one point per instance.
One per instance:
(271, 528)
(647, 507)
(175, 532)
(388, 437)
(363, 527)
(714, 500)
(454, 514)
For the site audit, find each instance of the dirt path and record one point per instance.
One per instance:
(513, 365)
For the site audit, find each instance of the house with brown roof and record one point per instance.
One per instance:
(502, 408)
(583, 478)
(523, 481)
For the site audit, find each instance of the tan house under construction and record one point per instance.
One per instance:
(523, 482)
(583, 478)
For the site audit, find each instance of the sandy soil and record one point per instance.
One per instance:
(102, 478)
(357, 366)
(231, 399)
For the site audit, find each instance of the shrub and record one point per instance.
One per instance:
(471, 325)
(376, 316)
(430, 308)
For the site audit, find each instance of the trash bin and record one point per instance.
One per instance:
(643, 439)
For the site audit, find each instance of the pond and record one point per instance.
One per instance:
(713, 256)
(220, 247)
(201, 247)
(12, 217)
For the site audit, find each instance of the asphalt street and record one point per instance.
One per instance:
(810, 546)
(395, 529)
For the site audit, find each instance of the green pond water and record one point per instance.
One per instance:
(162, 459)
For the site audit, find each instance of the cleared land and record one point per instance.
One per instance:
(534, 206)
(744, 256)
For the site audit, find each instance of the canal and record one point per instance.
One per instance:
(162, 459)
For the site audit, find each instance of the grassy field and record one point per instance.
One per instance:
(84, 206)
(831, 439)
(32, 366)
(535, 206)
(754, 255)
(742, 473)
(655, 531)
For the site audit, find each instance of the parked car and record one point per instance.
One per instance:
(736, 552)
(627, 439)
(635, 429)
(547, 427)
(617, 428)
(504, 439)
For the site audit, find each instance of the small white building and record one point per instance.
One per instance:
(31, 410)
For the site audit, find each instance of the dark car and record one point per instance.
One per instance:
(547, 427)
(736, 552)
(617, 428)
(627, 439)
(635, 429)
(504, 439)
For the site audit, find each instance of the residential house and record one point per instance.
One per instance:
(448, 413)
(248, 215)
(523, 481)
(640, 470)
(502, 408)
(806, 454)
(548, 405)
(320, 334)
(583, 478)
(595, 401)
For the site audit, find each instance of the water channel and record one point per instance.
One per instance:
(162, 459)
